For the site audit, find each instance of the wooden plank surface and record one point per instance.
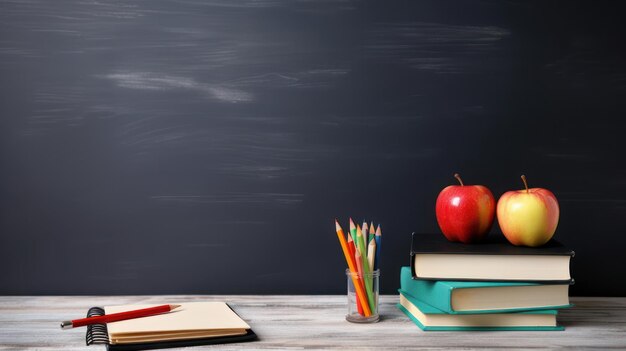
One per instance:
(312, 322)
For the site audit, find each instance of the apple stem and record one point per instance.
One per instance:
(525, 183)
(458, 177)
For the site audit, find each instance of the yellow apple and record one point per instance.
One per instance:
(528, 217)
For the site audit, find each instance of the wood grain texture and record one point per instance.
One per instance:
(313, 322)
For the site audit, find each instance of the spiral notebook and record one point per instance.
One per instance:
(192, 324)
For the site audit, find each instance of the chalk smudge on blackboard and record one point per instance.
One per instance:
(169, 135)
(244, 4)
(156, 81)
(370, 120)
(436, 47)
(206, 245)
(253, 171)
(283, 199)
(311, 78)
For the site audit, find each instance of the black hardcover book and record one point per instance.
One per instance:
(97, 334)
(494, 259)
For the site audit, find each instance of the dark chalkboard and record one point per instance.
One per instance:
(152, 147)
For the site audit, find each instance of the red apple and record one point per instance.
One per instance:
(528, 217)
(465, 212)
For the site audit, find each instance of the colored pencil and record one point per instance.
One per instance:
(371, 253)
(361, 294)
(359, 277)
(359, 242)
(352, 250)
(372, 231)
(350, 243)
(379, 239)
(359, 262)
(364, 232)
(367, 278)
(114, 317)
(353, 230)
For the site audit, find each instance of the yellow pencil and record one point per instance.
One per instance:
(360, 241)
(364, 232)
(371, 253)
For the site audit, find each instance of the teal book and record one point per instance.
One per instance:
(428, 318)
(463, 297)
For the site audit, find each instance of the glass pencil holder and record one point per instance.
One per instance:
(363, 297)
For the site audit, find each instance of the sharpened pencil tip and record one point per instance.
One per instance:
(337, 226)
(172, 307)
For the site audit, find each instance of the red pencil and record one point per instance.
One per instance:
(352, 249)
(114, 317)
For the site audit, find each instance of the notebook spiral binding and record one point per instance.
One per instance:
(96, 333)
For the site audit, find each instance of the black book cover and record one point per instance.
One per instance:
(249, 336)
(493, 244)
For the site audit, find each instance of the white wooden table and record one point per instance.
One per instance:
(312, 322)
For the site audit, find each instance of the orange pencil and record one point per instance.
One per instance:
(359, 289)
(351, 248)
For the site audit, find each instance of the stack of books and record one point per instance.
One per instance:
(488, 286)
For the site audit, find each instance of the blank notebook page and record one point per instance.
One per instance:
(189, 316)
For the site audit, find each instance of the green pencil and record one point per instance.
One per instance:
(353, 231)
(372, 232)
(364, 232)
